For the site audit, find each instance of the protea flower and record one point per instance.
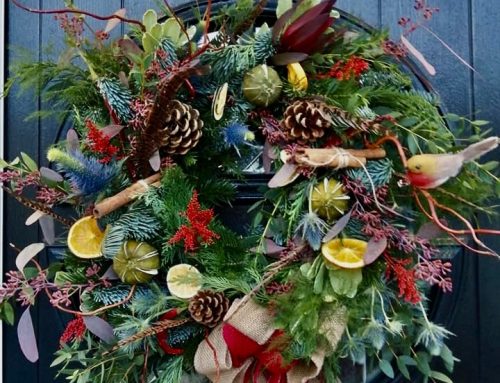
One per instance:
(306, 33)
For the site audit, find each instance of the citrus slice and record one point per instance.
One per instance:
(345, 252)
(85, 238)
(183, 281)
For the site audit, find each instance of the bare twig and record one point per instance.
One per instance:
(78, 12)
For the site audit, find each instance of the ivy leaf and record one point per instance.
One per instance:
(386, 368)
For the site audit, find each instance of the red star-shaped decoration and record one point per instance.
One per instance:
(197, 232)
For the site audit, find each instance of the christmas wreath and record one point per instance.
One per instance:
(366, 184)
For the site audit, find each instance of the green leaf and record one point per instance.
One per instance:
(3, 163)
(423, 363)
(448, 358)
(283, 6)
(440, 376)
(412, 144)
(7, 312)
(345, 282)
(408, 121)
(408, 360)
(61, 359)
(452, 117)
(319, 281)
(149, 42)
(490, 166)
(150, 19)
(402, 368)
(479, 122)
(31, 165)
(386, 368)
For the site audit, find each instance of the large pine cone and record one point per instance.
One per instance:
(208, 307)
(306, 120)
(182, 130)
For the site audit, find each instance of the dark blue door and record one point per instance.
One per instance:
(470, 27)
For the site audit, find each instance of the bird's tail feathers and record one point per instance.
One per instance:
(479, 148)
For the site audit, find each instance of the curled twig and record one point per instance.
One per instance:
(78, 12)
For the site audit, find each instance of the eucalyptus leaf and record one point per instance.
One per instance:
(337, 228)
(403, 368)
(27, 254)
(439, 376)
(26, 336)
(386, 368)
(114, 22)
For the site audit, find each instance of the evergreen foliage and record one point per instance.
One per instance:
(117, 96)
(380, 172)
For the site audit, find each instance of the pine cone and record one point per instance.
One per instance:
(208, 307)
(306, 120)
(182, 129)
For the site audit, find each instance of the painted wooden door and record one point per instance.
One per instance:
(470, 27)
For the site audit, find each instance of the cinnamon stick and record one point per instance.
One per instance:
(124, 197)
(334, 157)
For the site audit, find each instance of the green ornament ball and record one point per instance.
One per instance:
(262, 85)
(136, 262)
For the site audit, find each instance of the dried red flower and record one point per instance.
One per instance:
(197, 232)
(405, 278)
(99, 143)
(75, 330)
(345, 70)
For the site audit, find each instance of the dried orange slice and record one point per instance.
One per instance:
(345, 252)
(184, 281)
(85, 238)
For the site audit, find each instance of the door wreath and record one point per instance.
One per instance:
(365, 181)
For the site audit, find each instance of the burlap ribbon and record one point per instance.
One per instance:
(213, 358)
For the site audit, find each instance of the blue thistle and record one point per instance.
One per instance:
(311, 228)
(86, 174)
(236, 134)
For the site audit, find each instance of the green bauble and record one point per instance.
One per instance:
(329, 199)
(136, 262)
(262, 85)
